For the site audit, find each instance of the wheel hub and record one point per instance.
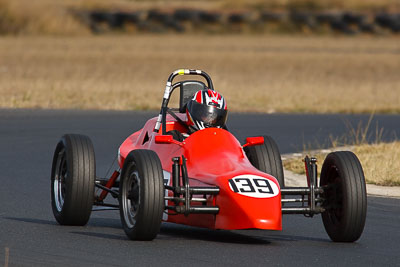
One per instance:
(60, 181)
(131, 198)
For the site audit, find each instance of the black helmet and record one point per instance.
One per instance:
(206, 109)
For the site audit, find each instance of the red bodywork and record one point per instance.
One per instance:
(214, 156)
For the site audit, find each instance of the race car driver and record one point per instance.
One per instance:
(206, 109)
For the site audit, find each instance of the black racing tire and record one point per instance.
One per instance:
(267, 158)
(141, 197)
(346, 197)
(73, 177)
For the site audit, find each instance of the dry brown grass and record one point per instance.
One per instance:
(254, 73)
(380, 163)
(25, 17)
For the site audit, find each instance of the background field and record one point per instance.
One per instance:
(255, 73)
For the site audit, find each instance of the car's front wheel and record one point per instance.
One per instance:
(345, 196)
(141, 195)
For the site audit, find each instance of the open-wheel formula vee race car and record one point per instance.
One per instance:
(205, 178)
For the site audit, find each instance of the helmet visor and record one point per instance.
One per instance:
(209, 115)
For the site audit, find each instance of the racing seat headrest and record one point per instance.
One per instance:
(188, 89)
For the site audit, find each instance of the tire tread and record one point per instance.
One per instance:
(354, 208)
(81, 169)
(150, 211)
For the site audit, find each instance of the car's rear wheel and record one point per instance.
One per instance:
(141, 197)
(346, 198)
(267, 158)
(72, 180)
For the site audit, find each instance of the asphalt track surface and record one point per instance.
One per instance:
(33, 238)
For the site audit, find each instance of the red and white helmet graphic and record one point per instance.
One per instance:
(210, 98)
(207, 109)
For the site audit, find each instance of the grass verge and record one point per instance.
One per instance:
(380, 162)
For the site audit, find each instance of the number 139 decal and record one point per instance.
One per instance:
(253, 186)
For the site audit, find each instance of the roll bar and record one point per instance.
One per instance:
(170, 87)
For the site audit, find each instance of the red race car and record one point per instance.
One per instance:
(174, 172)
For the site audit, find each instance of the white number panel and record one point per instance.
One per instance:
(253, 186)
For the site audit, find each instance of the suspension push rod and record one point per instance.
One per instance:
(183, 193)
(311, 196)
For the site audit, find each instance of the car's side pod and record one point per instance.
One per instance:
(184, 193)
